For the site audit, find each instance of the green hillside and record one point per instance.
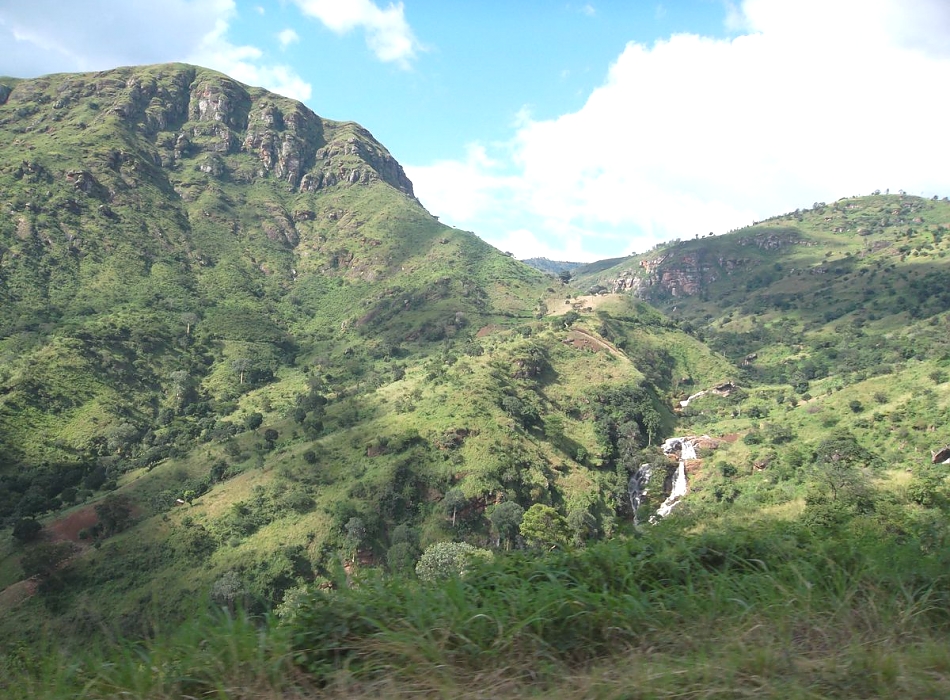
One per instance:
(229, 330)
(243, 369)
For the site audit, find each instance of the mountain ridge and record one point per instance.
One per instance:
(237, 357)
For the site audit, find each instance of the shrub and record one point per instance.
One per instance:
(253, 421)
(445, 560)
(26, 529)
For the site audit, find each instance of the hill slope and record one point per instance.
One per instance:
(234, 344)
(243, 367)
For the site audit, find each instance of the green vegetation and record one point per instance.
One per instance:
(268, 429)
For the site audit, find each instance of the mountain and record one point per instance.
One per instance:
(798, 290)
(244, 368)
(235, 344)
(172, 213)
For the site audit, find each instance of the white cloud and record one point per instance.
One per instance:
(45, 36)
(388, 34)
(287, 37)
(816, 100)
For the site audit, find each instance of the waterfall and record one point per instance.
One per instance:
(637, 486)
(685, 403)
(688, 450)
(678, 491)
(637, 489)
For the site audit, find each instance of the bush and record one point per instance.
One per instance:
(26, 529)
(753, 437)
(253, 421)
(445, 560)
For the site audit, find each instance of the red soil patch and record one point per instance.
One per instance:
(487, 330)
(731, 437)
(68, 528)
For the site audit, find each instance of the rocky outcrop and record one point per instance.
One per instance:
(285, 144)
(354, 157)
(676, 276)
(684, 271)
(182, 116)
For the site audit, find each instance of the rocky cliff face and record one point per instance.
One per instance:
(190, 114)
(687, 269)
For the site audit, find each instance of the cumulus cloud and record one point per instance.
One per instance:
(45, 36)
(287, 37)
(388, 34)
(812, 101)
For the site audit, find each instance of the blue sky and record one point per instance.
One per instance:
(573, 130)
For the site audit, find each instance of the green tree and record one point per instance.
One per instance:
(241, 365)
(253, 421)
(840, 486)
(26, 530)
(121, 438)
(180, 385)
(444, 560)
(115, 514)
(583, 525)
(228, 590)
(452, 501)
(506, 518)
(355, 535)
(544, 527)
(554, 428)
(401, 557)
(189, 319)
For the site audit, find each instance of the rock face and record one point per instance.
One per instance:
(689, 270)
(189, 113)
(683, 275)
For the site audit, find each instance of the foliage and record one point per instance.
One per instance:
(445, 560)
(26, 529)
(542, 526)
(506, 518)
(162, 301)
(45, 559)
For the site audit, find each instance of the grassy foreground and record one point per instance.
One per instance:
(780, 613)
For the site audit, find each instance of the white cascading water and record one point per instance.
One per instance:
(678, 491)
(688, 451)
(685, 402)
(637, 486)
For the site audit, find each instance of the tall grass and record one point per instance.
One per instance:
(752, 600)
(764, 612)
(218, 655)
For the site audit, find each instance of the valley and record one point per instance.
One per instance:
(257, 404)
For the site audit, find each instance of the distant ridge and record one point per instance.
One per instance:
(552, 267)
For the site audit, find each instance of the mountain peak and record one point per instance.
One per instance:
(191, 115)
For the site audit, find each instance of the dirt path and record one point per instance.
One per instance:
(583, 340)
